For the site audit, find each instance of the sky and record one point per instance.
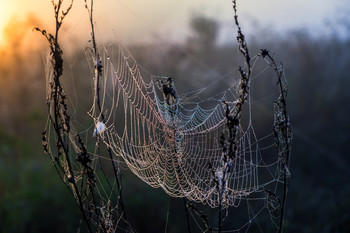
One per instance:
(137, 20)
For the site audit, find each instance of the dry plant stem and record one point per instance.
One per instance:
(97, 58)
(201, 215)
(233, 116)
(55, 161)
(284, 106)
(58, 115)
(98, 74)
(287, 136)
(88, 171)
(244, 86)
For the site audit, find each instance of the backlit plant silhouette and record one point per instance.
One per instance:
(206, 152)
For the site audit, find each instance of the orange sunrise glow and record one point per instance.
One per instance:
(3, 20)
(132, 18)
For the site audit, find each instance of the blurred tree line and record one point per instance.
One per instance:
(32, 198)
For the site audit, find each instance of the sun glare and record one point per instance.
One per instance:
(1, 31)
(4, 17)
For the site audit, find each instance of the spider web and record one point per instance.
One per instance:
(172, 140)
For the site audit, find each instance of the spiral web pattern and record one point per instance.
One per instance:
(171, 141)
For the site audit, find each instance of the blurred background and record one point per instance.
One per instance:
(195, 42)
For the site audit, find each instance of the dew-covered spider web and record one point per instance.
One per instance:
(173, 140)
